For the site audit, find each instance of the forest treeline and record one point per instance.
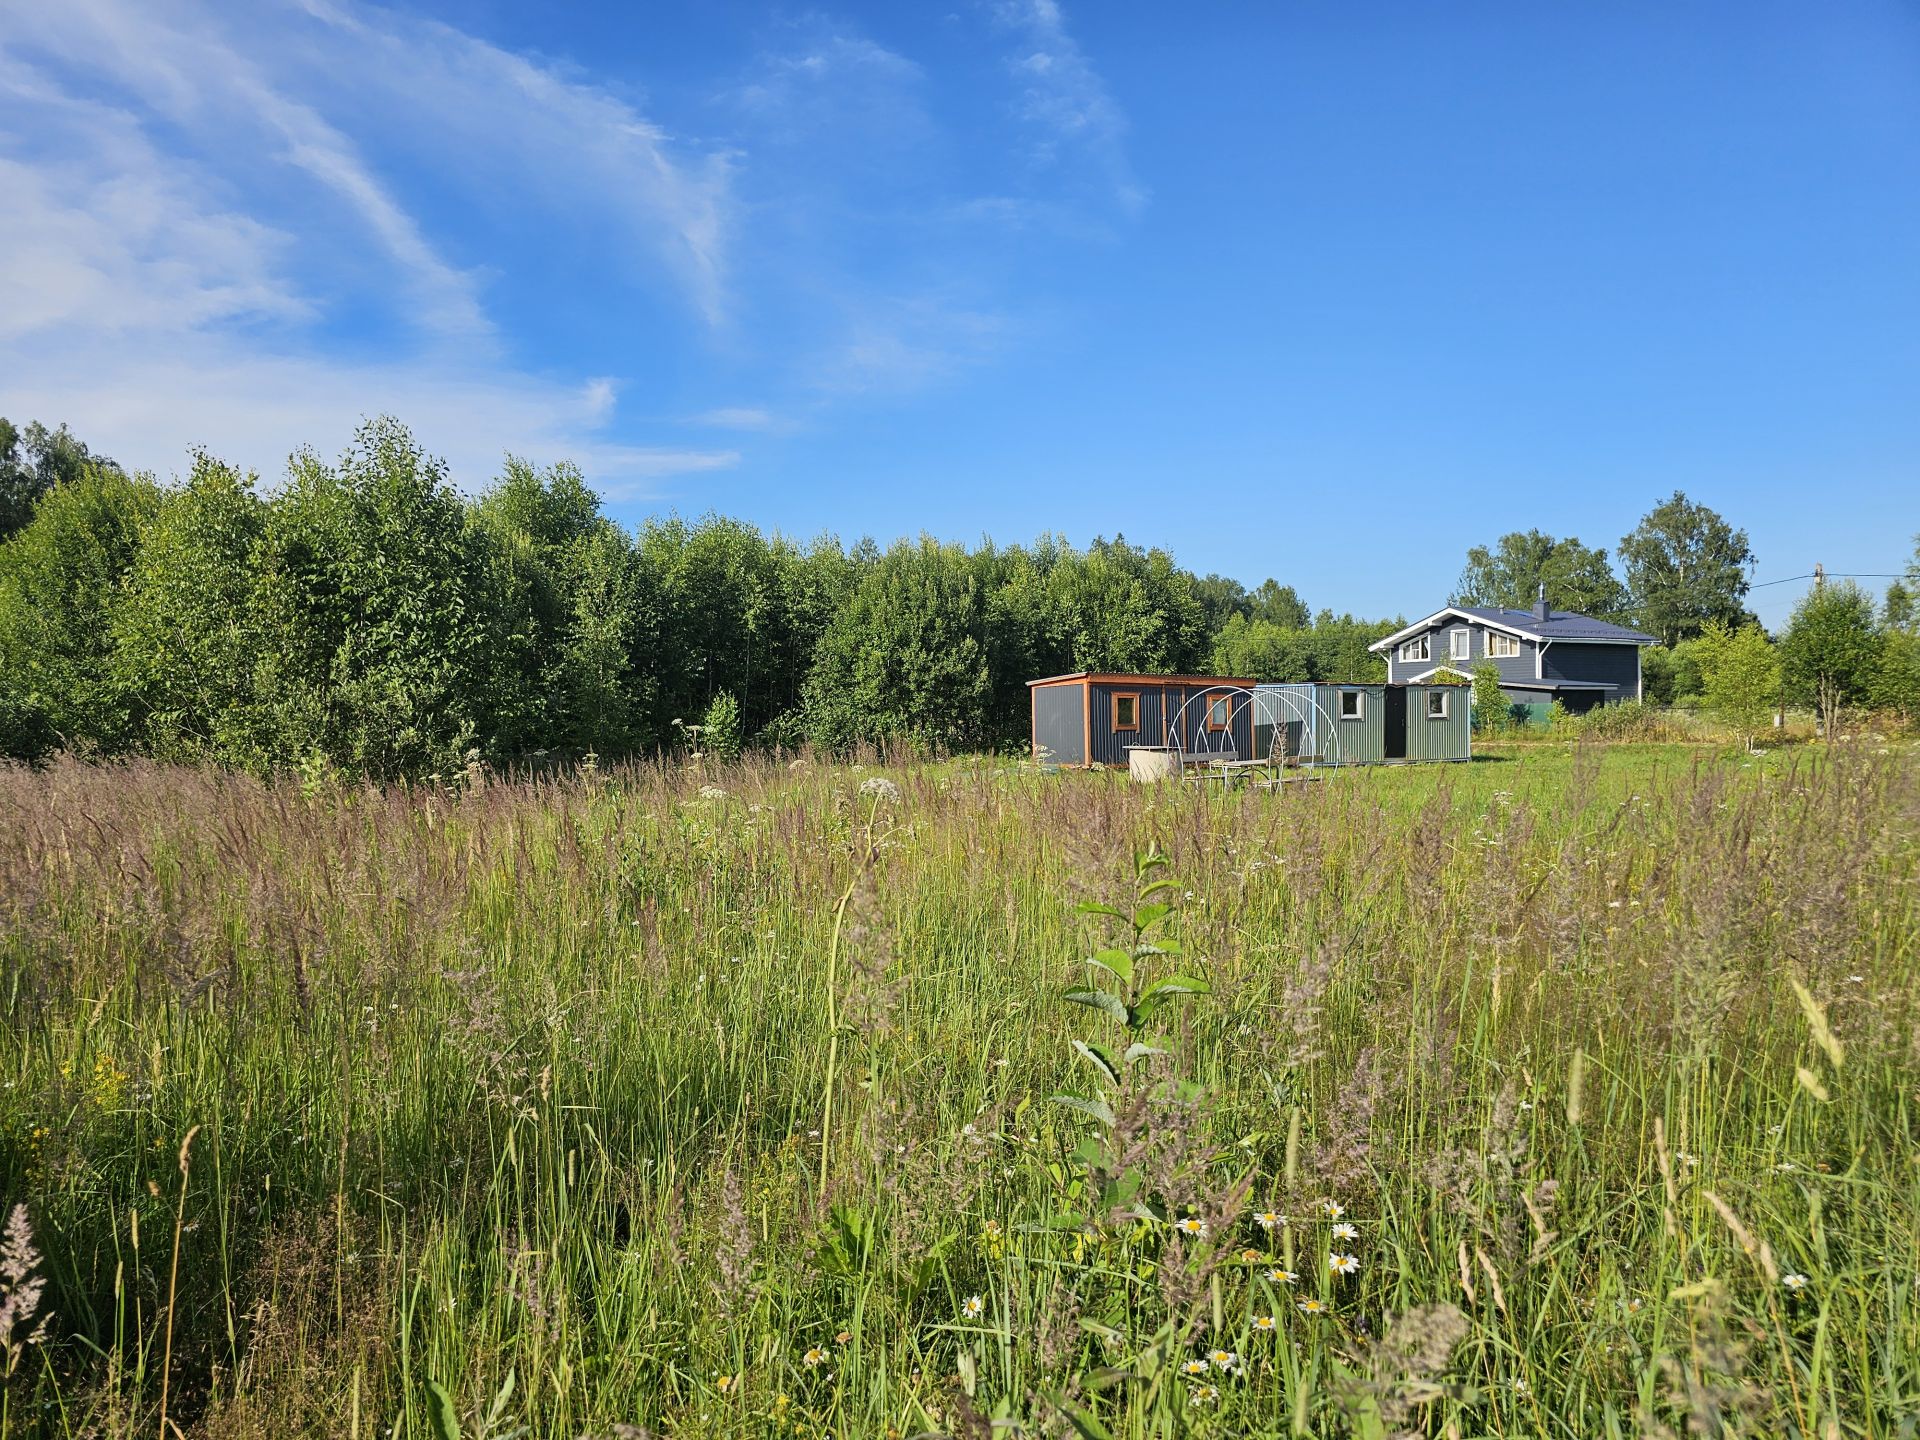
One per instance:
(366, 615)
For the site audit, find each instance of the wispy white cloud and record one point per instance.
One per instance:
(892, 346)
(147, 297)
(828, 72)
(547, 132)
(189, 75)
(107, 235)
(250, 226)
(1064, 101)
(149, 407)
(736, 417)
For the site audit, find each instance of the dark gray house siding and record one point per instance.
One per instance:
(1615, 665)
(1511, 667)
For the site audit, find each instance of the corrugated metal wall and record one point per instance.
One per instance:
(1161, 709)
(1437, 739)
(1359, 741)
(1291, 706)
(1060, 724)
(1362, 741)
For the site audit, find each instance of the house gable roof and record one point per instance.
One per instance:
(1559, 625)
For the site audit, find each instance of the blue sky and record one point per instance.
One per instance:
(1327, 293)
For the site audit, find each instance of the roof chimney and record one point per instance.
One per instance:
(1540, 611)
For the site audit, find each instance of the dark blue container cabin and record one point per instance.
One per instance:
(1087, 719)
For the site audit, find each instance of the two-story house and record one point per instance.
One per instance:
(1541, 654)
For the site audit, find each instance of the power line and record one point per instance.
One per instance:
(1835, 575)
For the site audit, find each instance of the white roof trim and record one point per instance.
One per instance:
(1420, 625)
(1424, 674)
(1389, 641)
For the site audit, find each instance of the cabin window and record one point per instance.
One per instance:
(1219, 712)
(1126, 712)
(1460, 645)
(1353, 704)
(1437, 704)
(1502, 647)
(1416, 649)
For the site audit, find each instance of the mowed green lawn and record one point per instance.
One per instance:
(1564, 1093)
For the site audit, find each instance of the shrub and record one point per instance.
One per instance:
(720, 728)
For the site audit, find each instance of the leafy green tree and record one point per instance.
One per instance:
(1831, 649)
(1338, 648)
(32, 462)
(1670, 674)
(1740, 672)
(1259, 650)
(1509, 574)
(1333, 647)
(61, 579)
(185, 643)
(1896, 686)
(605, 700)
(723, 622)
(1901, 609)
(1279, 605)
(1685, 566)
(1262, 650)
(371, 604)
(1492, 711)
(1896, 682)
(906, 658)
(528, 525)
(1220, 599)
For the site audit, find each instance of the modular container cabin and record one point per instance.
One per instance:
(1086, 719)
(1324, 724)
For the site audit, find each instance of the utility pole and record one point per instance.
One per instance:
(1819, 575)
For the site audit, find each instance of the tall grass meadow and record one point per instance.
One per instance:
(1570, 1095)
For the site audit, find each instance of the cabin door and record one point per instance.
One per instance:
(1395, 740)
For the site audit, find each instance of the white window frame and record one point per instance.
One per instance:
(1359, 698)
(1408, 653)
(1445, 697)
(1499, 638)
(1459, 643)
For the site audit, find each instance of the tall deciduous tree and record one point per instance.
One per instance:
(1578, 577)
(32, 462)
(1685, 566)
(1831, 649)
(1897, 685)
(60, 580)
(906, 658)
(528, 526)
(1740, 675)
(1278, 604)
(371, 604)
(184, 639)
